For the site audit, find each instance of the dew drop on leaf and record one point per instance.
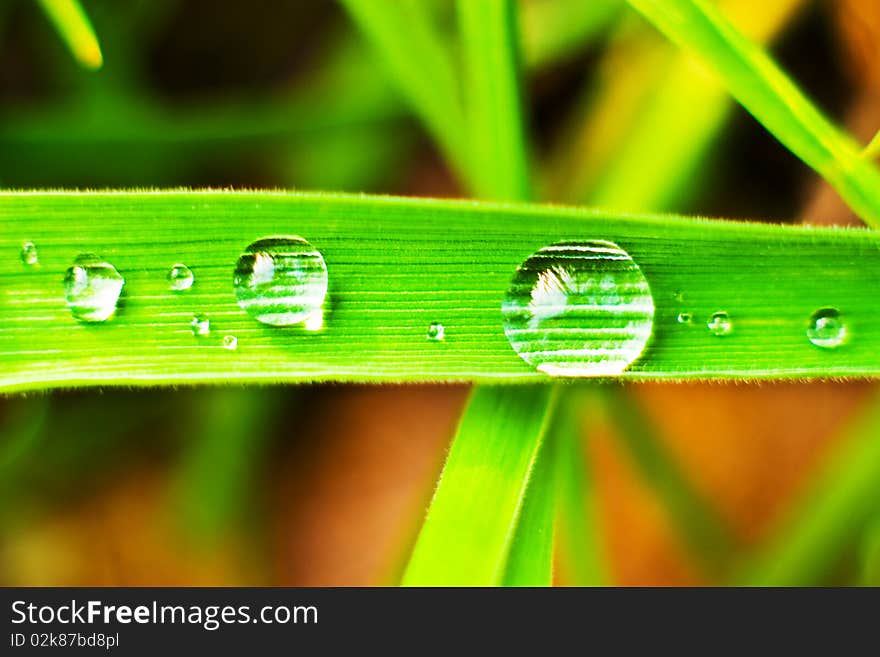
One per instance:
(230, 342)
(436, 332)
(200, 325)
(720, 324)
(29, 254)
(281, 281)
(826, 328)
(579, 309)
(684, 318)
(180, 277)
(92, 287)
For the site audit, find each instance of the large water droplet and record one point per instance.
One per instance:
(29, 255)
(281, 281)
(579, 309)
(180, 277)
(720, 324)
(826, 328)
(92, 287)
(436, 332)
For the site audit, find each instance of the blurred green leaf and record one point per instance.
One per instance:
(493, 103)
(577, 512)
(74, 27)
(829, 517)
(705, 535)
(767, 92)
(556, 29)
(410, 46)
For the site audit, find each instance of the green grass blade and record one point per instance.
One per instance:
(763, 88)
(872, 150)
(419, 62)
(385, 257)
(578, 521)
(678, 121)
(479, 499)
(554, 30)
(830, 517)
(530, 559)
(493, 107)
(73, 25)
(704, 534)
(222, 453)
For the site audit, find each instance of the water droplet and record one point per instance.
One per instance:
(826, 328)
(180, 277)
(29, 254)
(200, 325)
(281, 281)
(230, 342)
(314, 322)
(720, 324)
(92, 287)
(579, 309)
(436, 332)
(684, 318)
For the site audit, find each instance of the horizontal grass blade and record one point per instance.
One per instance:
(470, 528)
(74, 27)
(765, 90)
(396, 266)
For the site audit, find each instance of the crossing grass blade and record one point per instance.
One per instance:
(74, 26)
(766, 91)
(519, 550)
(397, 265)
(479, 500)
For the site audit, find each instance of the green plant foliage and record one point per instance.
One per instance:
(831, 516)
(481, 495)
(764, 90)
(74, 27)
(385, 258)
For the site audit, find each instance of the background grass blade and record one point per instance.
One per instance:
(765, 91)
(674, 120)
(702, 531)
(493, 107)
(74, 27)
(555, 30)
(577, 510)
(830, 518)
(479, 499)
(385, 257)
(408, 44)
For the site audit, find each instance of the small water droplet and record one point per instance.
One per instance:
(579, 309)
(230, 342)
(282, 281)
(436, 332)
(92, 287)
(180, 277)
(684, 318)
(826, 329)
(720, 324)
(29, 254)
(200, 325)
